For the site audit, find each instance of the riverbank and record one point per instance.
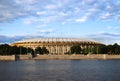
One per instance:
(7, 58)
(77, 57)
(62, 57)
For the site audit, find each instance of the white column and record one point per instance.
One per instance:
(63, 48)
(58, 50)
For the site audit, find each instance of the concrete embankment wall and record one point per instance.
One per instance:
(67, 57)
(7, 58)
(23, 57)
(113, 57)
(15, 57)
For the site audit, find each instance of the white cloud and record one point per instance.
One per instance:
(10, 11)
(83, 19)
(26, 1)
(41, 13)
(106, 37)
(30, 21)
(60, 10)
(51, 6)
(63, 14)
(13, 39)
(46, 31)
(42, 26)
(113, 27)
(105, 16)
(109, 27)
(109, 34)
(41, 20)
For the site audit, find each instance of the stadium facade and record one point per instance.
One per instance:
(57, 45)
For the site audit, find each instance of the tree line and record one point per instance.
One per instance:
(6, 49)
(101, 49)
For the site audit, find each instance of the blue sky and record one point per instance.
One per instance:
(93, 19)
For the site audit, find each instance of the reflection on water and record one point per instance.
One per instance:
(60, 70)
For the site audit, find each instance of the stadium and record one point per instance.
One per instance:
(57, 45)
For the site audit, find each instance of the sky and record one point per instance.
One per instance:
(92, 19)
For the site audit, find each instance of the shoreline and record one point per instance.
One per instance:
(77, 57)
(61, 57)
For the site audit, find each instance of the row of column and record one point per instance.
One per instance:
(62, 49)
(59, 49)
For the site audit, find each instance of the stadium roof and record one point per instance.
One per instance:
(59, 40)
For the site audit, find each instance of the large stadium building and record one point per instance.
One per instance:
(57, 45)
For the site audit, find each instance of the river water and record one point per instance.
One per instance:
(60, 70)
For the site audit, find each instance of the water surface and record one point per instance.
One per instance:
(60, 70)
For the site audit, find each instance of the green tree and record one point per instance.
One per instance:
(5, 49)
(30, 51)
(44, 50)
(76, 49)
(14, 50)
(95, 50)
(23, 50)
(110, 49)
(38, 50)
(116, 49)
(85, 51)
(103, 49)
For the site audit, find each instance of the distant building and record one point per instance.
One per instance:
(57, 45)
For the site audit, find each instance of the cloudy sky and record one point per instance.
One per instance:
(92, 19)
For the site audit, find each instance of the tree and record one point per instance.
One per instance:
(14, 50)
(116, 49)
(103, 49)
(95, 50)
(110, 49)
(38, 50)
(76, 49)
(85, 51)
(44, 50)
(4, 49)
(30, 51)
(23, 50)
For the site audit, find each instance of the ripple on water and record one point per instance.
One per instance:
(60, 70)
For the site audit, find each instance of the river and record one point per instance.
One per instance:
(60, 70)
